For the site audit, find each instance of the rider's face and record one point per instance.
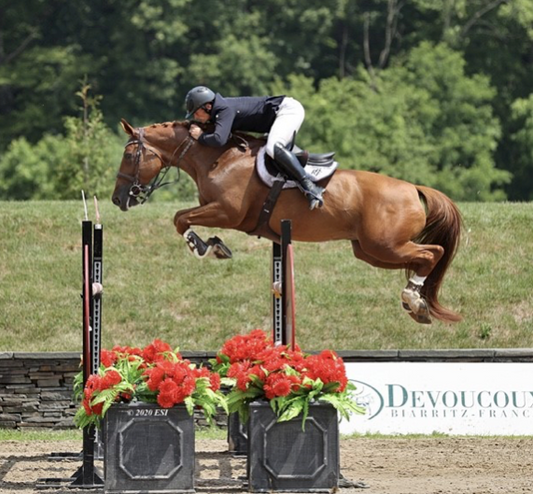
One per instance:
(201, 115)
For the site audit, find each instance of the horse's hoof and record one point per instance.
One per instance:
(420, 318)
(220, 251)
(416, 306)
(196, 245)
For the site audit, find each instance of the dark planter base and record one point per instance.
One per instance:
(148, 449)
(237, 435)
(282, 457)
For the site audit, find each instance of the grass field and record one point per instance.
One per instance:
(154, 288)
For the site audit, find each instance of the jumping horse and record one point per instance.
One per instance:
(391, 224)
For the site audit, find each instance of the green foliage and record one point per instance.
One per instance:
(59, 167)
(424, 120)
(156, 374)
(423, 88)
(26, 171)
(521, 159)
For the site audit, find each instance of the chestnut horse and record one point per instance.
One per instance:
(391, 224)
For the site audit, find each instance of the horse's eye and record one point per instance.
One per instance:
(128, 156)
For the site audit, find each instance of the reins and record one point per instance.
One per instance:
(143, 192)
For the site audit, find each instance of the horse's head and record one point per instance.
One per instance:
(142, 163)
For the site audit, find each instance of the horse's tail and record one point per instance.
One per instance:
(443, 227)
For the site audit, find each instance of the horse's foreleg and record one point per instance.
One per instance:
(210, 215)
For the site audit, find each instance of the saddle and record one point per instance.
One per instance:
(317, 166)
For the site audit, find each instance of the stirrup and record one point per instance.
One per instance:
(314, 200)
(313, 193)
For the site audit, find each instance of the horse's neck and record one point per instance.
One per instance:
(169, 138)
(203, 158)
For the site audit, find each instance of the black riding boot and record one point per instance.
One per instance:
(290, 165)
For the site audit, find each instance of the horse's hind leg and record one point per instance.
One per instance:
(421, 314)
(425, 260)
(363, 256)
(419, 258)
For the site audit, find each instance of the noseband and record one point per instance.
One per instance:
(142, 192)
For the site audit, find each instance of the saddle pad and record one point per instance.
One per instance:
(269, 177)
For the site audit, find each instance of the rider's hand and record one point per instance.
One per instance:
(195, 131)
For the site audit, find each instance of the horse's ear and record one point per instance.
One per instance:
(127, 127)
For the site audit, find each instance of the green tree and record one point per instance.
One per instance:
(520, 160)
(91, 147)
(26, 169)
(59, 167)
(422, 119)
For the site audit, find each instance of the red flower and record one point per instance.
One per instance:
(174, 380)
(167, 396)
(245, 347)
(94, 385)
(328, 367)
(111, 378)
(280, 384)
(156, 351)
(108, 358)
(214, 381)
(155, 376)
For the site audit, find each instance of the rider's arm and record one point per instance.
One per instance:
(223, 121)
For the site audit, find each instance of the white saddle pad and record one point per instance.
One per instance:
(315, 172)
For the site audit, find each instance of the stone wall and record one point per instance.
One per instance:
(36, 388)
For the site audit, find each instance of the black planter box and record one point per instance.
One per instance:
(237, 435)
(282, 457)
(148, 449)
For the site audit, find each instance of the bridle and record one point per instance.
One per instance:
(142, 192)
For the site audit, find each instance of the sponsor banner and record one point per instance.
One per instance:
(451, 398)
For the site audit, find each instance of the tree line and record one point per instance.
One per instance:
(438, 92)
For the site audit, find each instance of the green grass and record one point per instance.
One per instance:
(217, 433)
(155, 289)
(76, 434)
(40, 435)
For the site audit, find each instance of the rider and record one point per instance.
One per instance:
(280, 116)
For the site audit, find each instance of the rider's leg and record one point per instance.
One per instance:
(289, 119)
(290, 165)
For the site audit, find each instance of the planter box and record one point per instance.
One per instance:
(237, 435)
(148, 449)
(282, 457)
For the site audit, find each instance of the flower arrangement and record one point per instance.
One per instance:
(154, 374)
(254, 369)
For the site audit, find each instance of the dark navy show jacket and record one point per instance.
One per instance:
(247, 114)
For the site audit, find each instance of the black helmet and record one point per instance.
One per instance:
(196, 98)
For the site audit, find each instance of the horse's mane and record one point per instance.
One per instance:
(209, 127)
(174, 123)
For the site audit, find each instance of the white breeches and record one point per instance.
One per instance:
(288, 121)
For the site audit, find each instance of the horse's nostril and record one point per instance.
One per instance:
(116, 201)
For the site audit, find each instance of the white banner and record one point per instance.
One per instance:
(450, 398)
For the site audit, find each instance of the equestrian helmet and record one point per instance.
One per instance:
(196, 98)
